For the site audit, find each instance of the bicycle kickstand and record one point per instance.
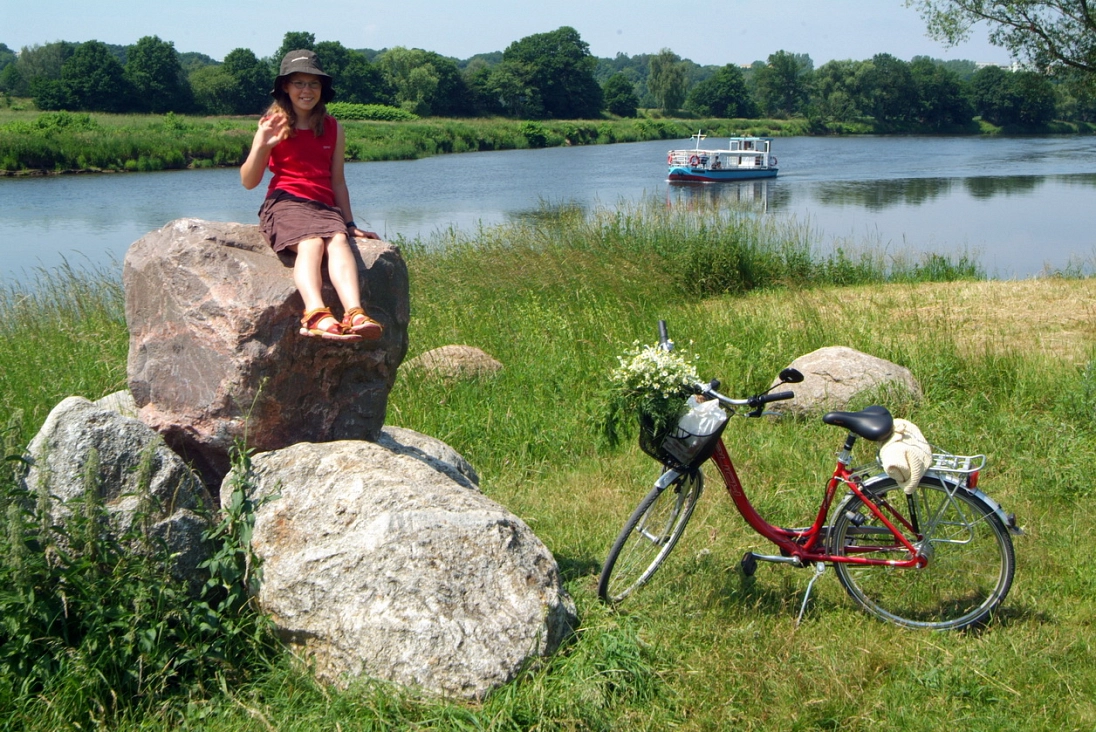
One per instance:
(819, 568)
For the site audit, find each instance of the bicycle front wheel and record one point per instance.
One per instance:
(649, 536)
(970, 559)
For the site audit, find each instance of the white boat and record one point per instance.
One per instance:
(743, 158)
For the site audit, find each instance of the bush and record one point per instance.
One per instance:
(94, 628)
(370, 112)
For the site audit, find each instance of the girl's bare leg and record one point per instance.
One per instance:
(307, 273)
(342, 267)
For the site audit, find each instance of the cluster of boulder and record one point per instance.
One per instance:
(381, 557)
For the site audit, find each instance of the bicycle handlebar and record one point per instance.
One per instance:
(709, 390)
(780, 396)
(754, 402)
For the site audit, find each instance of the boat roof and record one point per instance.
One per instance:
(729, 140)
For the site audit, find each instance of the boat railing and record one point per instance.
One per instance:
(709, 159)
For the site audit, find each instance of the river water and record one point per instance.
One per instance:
(1021, 206)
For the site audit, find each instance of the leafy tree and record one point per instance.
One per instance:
(453, 97)
(356, 79)
(154, 71)
(559, 67)
(41, 63)
(1024, 98)
(192, 61)
(413, 76)
(891, 91)
(92, 80)
(943, 101)
(1045, 32)
(962, 68)
(620, 95)
(363, 82)
(510, 83)
(838, 90)
(425, 82)
(294, 41)
(1076, 96)
(493, 58)
(252, 80)
(635, 68)
(483, 96)
(782, 85)
(118, 52)
(666, 80)
(7, 56)
(722, 95)
(214, 89)
(1034, 98)
(49, 94)
(991, 93)
(333, 56)
(11, 81)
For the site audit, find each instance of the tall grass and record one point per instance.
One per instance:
(556, 299)
(63, 333)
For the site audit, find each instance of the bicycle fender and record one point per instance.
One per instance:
(1008, 520)
(667, 478)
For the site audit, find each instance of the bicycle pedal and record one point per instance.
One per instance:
(749, 564)
(783, 559)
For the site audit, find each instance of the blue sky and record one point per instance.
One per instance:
(706, 31)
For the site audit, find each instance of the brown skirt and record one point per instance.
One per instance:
(285, 220)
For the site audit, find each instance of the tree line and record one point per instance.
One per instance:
(553, 76)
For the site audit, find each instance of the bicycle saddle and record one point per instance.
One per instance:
(873, 423)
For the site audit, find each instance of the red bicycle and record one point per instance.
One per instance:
(938, 555)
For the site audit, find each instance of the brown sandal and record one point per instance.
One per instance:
(357, 322)
(310, 323)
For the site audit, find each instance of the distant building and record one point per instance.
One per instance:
(1013, 67)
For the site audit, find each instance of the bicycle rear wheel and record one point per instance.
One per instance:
(648, 537)
(970, 556)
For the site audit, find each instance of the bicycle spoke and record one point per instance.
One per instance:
(648, 537)
(968, 553)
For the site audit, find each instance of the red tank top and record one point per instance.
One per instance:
(302, 164)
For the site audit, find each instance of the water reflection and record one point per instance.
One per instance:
(878, 195)
(547, 211)
(993, 185)
(749, 194)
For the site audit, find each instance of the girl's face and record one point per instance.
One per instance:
(304, 91)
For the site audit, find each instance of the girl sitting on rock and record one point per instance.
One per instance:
(307, 206)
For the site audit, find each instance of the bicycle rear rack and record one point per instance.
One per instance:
(943, 462)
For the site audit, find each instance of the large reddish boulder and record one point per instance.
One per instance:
(215, 355)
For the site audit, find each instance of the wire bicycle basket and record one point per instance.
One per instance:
(677, 448)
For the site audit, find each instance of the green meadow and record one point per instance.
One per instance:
(1007, 368)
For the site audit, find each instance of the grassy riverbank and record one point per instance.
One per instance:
(67, 142)
(1008, 368)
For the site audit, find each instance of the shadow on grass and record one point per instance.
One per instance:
(572, 568)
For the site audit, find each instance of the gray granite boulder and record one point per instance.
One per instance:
(385, 561)
(134, 472)
(834, 375)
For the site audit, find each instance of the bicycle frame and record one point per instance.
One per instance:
(806, 546)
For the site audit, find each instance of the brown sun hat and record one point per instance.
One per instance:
(302, 62)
